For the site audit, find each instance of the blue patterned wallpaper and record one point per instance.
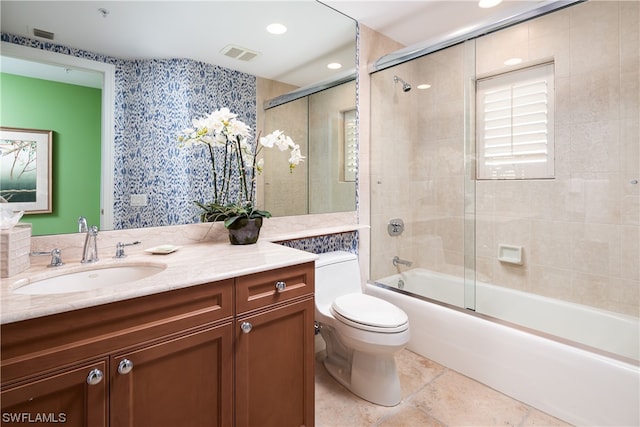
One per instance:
(155, 100)
(328, 243)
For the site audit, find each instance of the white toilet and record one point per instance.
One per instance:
(362, 333)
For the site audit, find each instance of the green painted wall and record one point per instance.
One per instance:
(73, 113)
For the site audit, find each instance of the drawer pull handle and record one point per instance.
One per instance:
(125, 366)
(281, 286)
(246, 327)
(94, 377)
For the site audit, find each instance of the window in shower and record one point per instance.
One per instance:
(515, 124)
(350, 147)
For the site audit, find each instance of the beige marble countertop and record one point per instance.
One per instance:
(191, 264)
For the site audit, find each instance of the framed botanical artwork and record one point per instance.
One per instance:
(25, 169)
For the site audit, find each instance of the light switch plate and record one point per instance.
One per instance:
(138, 200)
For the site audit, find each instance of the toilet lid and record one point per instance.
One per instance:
(368, 310)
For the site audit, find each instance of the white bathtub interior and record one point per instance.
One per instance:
(603, 330)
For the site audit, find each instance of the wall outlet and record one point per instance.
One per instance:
(138, 200)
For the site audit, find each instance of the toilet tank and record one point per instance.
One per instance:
(337, 273)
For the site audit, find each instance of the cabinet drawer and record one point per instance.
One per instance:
(261, 289)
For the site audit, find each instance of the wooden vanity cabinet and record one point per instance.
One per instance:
(274, 339)
(177, 358)
(176, 342)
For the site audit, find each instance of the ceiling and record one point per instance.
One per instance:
(201, 29)
(417, 21)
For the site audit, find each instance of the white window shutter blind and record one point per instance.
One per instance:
(515, 124)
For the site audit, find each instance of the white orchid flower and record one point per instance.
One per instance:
(221, 128)
(239, 128)
(282, 142)
(221, 139)
(223, 115)
(269, 140)
(296, 157)
(260, 165)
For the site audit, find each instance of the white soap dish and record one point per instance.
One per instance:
(510, 254)
(163, 249)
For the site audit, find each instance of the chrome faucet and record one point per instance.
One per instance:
(82, 225)
(56, 256)
(90, 251)
(397, 260)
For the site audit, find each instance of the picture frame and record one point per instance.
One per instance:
(25, 169)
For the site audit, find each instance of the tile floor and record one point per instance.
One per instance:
(432, 395)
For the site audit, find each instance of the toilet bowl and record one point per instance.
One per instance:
(362, 333)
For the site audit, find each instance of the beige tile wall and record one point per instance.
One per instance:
(314, 122)
(328, 189)
(285, 193)
(580, 231)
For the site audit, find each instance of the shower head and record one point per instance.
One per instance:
(406, 87)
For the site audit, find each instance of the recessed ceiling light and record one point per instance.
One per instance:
(513, 61)
(334, 66)
(424, 86)
(276, 28)
(485, 4)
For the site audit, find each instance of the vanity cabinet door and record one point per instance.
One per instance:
(275, 367)
(182, 381)
(74, 397)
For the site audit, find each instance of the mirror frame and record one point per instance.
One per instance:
(107, 71)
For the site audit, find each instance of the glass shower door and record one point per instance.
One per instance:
(419, 175)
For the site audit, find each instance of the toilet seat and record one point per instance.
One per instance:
(369, 313)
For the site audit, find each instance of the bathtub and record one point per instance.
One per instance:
(552, 370)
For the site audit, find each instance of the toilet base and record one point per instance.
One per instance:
(373, 377)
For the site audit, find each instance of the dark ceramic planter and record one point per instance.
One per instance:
(245, 231)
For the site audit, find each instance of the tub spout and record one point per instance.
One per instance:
(397, 260)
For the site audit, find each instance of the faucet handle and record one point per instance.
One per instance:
(120, 248)
(82, 225)
(56, 256)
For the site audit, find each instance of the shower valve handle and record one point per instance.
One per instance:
(395, 227)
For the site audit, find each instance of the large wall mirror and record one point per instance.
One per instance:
(326, 122)
(137, 186)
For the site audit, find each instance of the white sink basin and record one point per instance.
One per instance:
(89, 279)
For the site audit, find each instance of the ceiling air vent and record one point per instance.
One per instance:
(43, 34)
(237, 52)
